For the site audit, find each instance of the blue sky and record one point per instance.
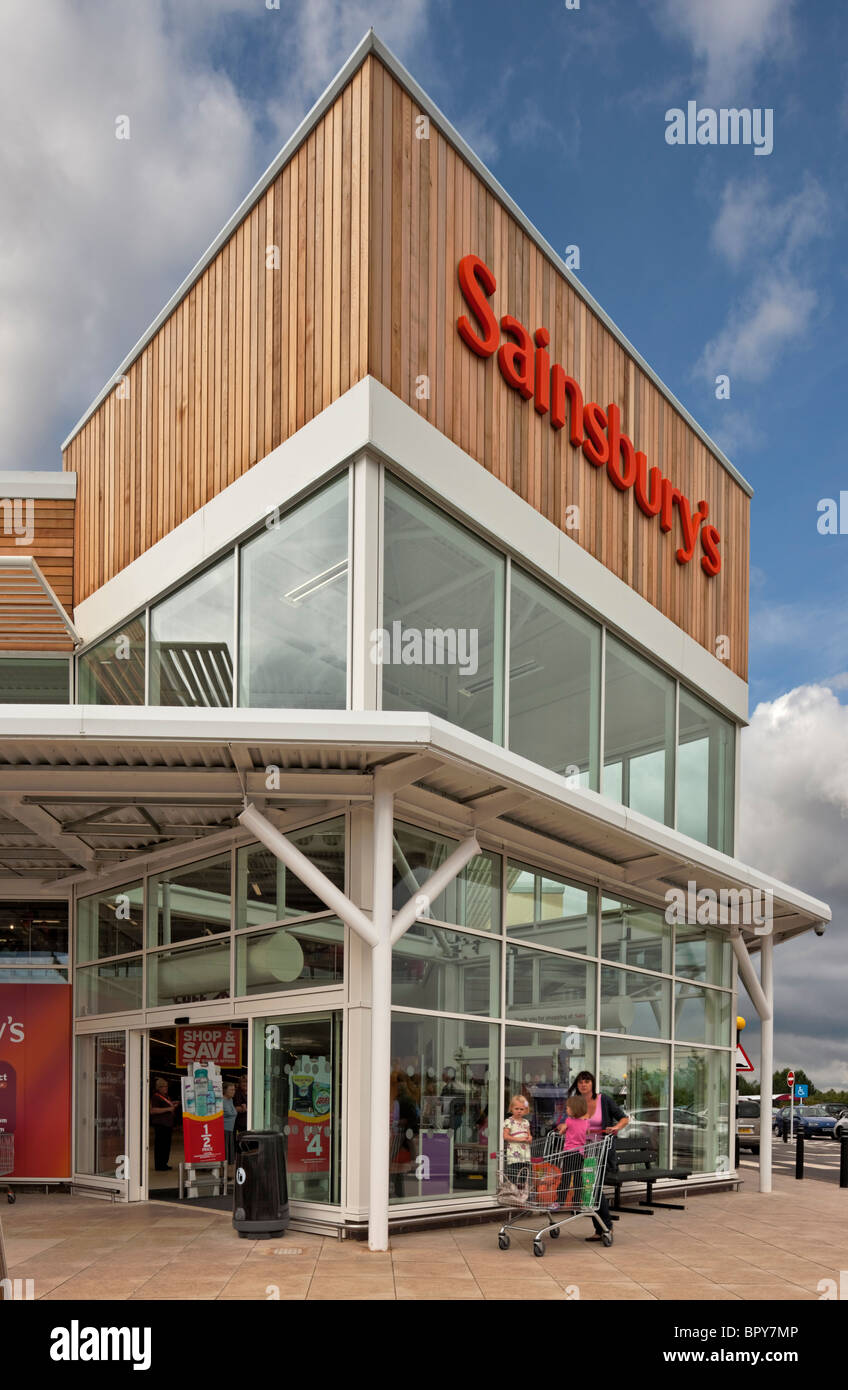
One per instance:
(709, 259)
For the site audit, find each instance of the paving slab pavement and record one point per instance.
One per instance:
(731, 1246)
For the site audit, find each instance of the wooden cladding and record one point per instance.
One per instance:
(44, 527)
(252, 352)
(429, 209)
(371, 223)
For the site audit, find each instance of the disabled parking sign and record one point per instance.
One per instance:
(801, 1092)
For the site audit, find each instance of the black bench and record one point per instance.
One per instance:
(635, 1163)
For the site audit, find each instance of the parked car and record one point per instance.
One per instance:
(835, 1108)
(748, 1123)
(840, 1129)
(812, 1121)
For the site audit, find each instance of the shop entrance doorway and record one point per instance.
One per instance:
(170, 1052)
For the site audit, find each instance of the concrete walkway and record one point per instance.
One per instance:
(725, 1246)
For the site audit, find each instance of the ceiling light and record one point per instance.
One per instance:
(318, 581)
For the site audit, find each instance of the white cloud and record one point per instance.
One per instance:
(776, 311)
(729, 39)
(794, 823)
(96, 232)
(773, 316)
(750, 222)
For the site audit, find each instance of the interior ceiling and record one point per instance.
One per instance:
(81, 807)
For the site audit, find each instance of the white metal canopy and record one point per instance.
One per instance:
(101, 787)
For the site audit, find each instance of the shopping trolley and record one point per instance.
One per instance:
(563, 1183)
(7, 1161)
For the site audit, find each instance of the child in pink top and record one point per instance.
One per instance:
(575, 1127)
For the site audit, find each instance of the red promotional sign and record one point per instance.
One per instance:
(203, 1138)
(203, 1044)
(35, 1081)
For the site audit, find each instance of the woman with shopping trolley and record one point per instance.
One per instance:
(605, 1117)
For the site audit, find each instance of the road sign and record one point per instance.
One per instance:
(802, 1092)
(790, 1078)
(743, 1061)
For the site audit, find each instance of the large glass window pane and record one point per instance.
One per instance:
(190, 975)
(543, 988)
(701, 1129)
(189, 902)
(473, 899)
(547, 910)
(108, 989)
(110, 924)
(298, 1071)
(28, 680)
(702, 1015)
(293, 603)
(705, 773)
(191, 641)
(636, 1075)
(451, 971)
(100, 1104)
(112, 673)
(34, 933)
(635, 1003)
(702, 953)
(442, 647)
(542, 1066)
(444, 1078)
(266, 891)
(635, 935)
(638, 733)
(554, 682)
(301, 957)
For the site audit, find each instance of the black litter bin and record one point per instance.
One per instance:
(260, 1196)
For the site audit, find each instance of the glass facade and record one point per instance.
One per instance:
(443, 616)
(464, 633)
(705, 773)
(554, 682)
(34, 935)
(294, 590)
(112, 672)
(207, 935)
(101, 1105)
(638, 733)
(192, 641)
(570, 980)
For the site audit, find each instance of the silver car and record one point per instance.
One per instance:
(748, 1124)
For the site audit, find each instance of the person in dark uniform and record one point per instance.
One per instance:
(162, 1119)
(240, 1102)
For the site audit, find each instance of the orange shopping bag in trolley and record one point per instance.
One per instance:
(544, 1183)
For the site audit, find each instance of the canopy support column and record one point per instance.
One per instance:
(381, 933)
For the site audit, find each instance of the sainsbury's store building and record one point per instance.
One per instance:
(373, 676)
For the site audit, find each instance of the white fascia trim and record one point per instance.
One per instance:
(293, 468)
(428, 457)
(34, 484)
(371, 415)
(370, 43)
(377, 729)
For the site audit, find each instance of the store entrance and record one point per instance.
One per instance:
(170, 1052)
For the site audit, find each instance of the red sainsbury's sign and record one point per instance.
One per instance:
(525, 365)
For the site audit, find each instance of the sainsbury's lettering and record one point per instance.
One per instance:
(526, 367)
